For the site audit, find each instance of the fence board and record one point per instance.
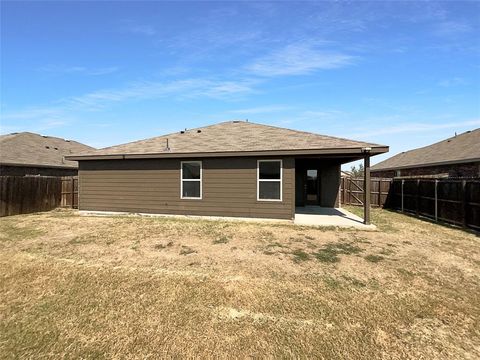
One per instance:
(454, 201)
(27, 194)
(352, 193)
(70, 192)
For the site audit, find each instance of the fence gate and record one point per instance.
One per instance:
(351, 191)
(70, 192)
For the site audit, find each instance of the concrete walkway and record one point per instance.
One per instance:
(321, 216)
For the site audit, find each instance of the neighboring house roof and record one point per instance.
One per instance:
(30, 149)
(457, 149)
(233, 138)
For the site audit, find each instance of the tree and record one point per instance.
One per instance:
(357, 173)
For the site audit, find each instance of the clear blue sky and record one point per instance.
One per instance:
(404, 74)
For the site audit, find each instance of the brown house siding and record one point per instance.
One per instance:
(471, 169)
(153, 186)
(330, 185)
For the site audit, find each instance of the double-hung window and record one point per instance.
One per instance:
(269, 180)
(191, 180)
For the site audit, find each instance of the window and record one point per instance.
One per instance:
(191, 180)
(269, 180)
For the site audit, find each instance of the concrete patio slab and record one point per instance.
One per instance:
(321, 216)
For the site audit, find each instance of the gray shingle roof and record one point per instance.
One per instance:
(461, 148)
(32, 149)
(233, 136)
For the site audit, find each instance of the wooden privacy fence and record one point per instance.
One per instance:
(70, 192)
(454, 201)
(27, 194)
(351, 191)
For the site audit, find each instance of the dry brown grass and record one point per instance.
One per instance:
(130, 287)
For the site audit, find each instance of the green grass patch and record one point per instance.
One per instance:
(276, 244)
(374, 258)
(406, 273)
(382, 218)
(354, 281)
(330, 253)
(327, 256)
(300, 255)
(331, 282)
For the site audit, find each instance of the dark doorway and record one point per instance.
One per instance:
(311, 188)
(307, 187)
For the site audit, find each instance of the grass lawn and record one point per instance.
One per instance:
(132, 287)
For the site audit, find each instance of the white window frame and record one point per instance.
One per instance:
(199, 180)
(271, 180)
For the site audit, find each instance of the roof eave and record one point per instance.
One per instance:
(438, 163)
(39, 165)
(337, 151)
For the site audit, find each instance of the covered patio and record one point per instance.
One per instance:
(327, 216)
(317, 185)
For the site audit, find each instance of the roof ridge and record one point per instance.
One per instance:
(236, 121)
(312, 133)
(16, 134)
(454, 148)
(234, 136)
(435, 143)
(161, 136)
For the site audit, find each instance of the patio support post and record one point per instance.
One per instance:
(367, 187)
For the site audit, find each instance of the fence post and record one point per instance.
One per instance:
(342, 185)
(403, 182)
(350, 191)
(417, 198)
(464, 203)
(72, 181)
(366, 189)
(380, 192)
(436, 200)
(339, 194)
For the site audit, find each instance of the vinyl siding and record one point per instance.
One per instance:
(153, 186)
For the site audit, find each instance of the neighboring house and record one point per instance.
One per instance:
(458, 156)
(27, 153)
(233, 168)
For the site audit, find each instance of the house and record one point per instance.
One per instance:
(235, 168)
(27, 153)
(458, 156)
